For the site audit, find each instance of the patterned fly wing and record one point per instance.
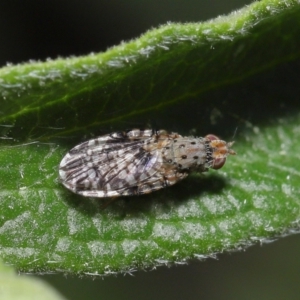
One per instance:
(138, 162)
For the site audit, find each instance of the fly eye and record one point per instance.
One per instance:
(212, 137)
(218, 163)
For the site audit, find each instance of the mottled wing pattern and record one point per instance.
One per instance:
(115, 164)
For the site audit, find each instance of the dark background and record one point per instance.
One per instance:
(41, 29)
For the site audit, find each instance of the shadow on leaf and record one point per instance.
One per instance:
(192, 187)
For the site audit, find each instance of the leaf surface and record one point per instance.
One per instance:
(235, 71)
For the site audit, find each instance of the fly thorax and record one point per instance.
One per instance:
(187, 153)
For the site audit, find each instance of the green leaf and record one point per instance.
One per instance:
(22, 287)
(235, 71)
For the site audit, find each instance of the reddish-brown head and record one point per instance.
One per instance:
(220, 150)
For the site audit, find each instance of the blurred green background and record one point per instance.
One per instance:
(42, 29)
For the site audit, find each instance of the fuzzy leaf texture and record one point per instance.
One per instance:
(239, 71)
